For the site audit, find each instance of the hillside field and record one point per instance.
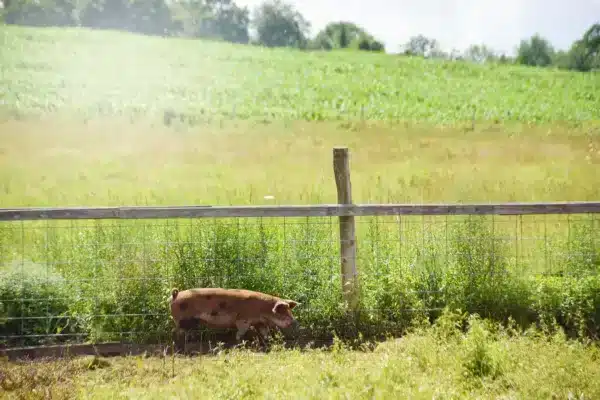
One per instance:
(67, 71)
(106, 118)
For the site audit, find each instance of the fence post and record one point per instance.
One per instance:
(341, 170)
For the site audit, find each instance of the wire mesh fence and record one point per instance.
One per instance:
(73, 281)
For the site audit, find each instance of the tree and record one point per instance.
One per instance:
(536, 51)
(479, 53)
(107, 14)
(232, 22)
(222, 19)
(368, 43)
(339, 34)
(343, 34)
(578, 58)
(278, 24)
(343, 37)
(422, 46)
(584, 54)
(151, 17)
(591, 39)
(40, 12)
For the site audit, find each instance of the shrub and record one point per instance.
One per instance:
(479, 279)
(482, 358)
(34, 302)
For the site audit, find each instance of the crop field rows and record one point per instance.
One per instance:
(198, 81)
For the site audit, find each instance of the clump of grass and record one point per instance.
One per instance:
(481, 359)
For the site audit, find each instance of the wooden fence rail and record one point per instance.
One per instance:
(320, 210)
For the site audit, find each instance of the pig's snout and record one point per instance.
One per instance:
(292, 328)
(295, 325)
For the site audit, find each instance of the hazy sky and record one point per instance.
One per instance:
(457, 23)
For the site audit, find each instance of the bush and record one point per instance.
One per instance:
(34, 302)
(479, 279)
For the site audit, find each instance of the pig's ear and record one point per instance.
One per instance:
(280, 306)
(292, 304)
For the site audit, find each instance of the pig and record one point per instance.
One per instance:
(231, 308)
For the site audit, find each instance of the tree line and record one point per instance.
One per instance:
(583, 55)
(275, 23)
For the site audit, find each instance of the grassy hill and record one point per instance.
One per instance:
(109, 73)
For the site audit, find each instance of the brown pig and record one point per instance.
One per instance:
(231, 308)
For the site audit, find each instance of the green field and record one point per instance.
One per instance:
(106, 118)
(97, 74)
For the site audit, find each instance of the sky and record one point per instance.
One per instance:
(456, 24)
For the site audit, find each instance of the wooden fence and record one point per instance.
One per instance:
(345, 210)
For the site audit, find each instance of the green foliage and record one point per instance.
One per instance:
(591, 40)
(583, 247)
(217, 19)
(278, 24)
(536, 51)
(482, 358)
(480, 53)
(41, 13)
(584, 53)
(150, 17)
(421, 46)
(342, 34)
(368, 43)
(34, 304)
(479, 279)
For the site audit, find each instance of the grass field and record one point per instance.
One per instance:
(106, 118)
(440, 362)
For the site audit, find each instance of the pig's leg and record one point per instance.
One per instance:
(177, 335)
(185, 329)
(242, 327)
(263, 330)
(263, 334)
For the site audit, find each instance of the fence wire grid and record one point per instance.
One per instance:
(109, 280)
